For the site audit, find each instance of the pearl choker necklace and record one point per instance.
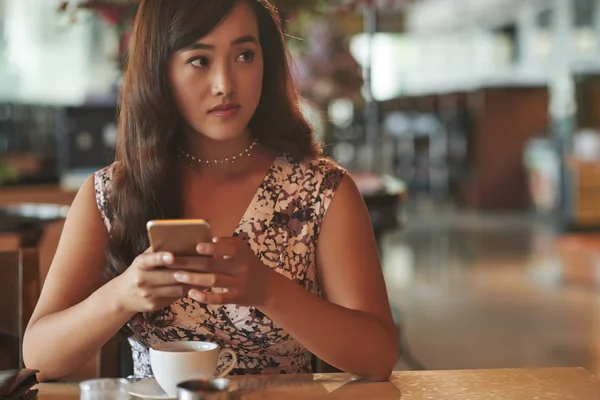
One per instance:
(227, 160)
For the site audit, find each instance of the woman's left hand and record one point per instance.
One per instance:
(232, 265)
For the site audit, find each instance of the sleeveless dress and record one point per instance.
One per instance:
(281, 225)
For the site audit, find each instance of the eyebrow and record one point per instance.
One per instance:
(241, 40)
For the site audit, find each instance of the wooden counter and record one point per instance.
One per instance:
(51, 194)
(504, 384)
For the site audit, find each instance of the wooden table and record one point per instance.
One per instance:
(503, 384)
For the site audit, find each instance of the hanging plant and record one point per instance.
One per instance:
(117, 13)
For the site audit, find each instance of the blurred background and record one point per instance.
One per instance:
(470, 126)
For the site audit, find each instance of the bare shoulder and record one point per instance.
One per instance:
(348, 195)
(347, 208)
(346, 226)
(85, 207)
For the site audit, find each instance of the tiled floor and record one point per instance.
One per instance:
(477, 291)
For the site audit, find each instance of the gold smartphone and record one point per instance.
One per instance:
(178, 236)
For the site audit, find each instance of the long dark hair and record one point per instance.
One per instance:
(143, 183)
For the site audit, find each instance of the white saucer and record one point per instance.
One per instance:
(147, 389)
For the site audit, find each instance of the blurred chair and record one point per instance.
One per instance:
(115, 359)
(19, 292)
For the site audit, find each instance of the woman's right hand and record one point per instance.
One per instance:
(147, 286)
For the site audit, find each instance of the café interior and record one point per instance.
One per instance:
(471, 127)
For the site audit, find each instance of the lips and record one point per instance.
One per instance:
(225, 110)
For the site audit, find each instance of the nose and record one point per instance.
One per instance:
(223, 82)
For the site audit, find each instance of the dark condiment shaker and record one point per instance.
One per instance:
(204, 389)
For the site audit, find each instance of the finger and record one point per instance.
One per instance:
(163, 277)
(150, 261)
(206, 280)
(175, 291)
(213, 298)
(204, 264)
(219, 248)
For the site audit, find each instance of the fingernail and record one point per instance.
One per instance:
(168, 258)
(181, 277)
(195, 294)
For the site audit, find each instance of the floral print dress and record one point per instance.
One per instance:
(281, 225)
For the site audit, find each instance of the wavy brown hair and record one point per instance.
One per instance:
(150, 125)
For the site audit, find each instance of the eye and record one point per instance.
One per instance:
(199, 62)
(247, 56)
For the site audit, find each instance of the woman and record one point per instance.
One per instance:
(208, 81)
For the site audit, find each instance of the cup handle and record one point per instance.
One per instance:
(233, 362)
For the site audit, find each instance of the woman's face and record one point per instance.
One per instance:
(217, 81)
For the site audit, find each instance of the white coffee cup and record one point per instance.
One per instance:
(175, 362)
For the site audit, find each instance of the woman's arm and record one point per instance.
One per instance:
(75, 315)
(353, 329)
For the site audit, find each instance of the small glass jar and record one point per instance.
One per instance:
(104, 389)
